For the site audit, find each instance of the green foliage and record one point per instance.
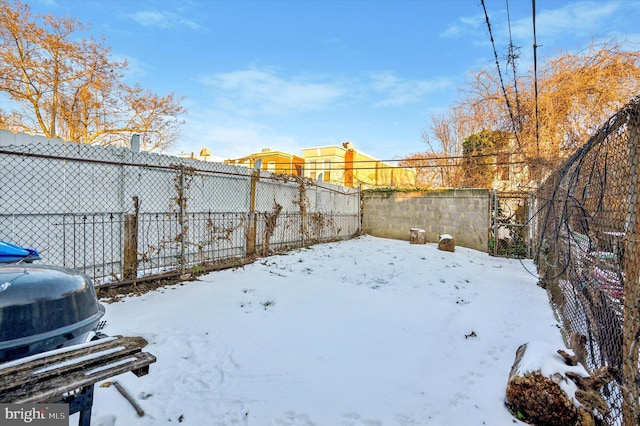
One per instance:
(479, 163)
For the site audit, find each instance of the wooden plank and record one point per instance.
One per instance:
(62, 354)
(54, 388)
(60, 364)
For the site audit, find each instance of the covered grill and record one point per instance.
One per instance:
(44, 308)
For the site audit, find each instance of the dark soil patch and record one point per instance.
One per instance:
(117, 292)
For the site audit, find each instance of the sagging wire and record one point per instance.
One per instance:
(502, 86)
(535, 77)
(512, 56)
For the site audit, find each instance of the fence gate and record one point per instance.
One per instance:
(511, 233)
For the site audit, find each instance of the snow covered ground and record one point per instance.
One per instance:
(369, 331)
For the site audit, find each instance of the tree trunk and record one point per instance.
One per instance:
(539, 397)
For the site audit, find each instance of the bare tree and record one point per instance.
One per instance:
(431, 169)
(62, 86)
(577, 92)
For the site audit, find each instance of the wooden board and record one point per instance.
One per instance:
(46, 377)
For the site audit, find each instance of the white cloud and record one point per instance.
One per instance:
(252, 91)
(577, 19)
(229, 136)
(163, 19)
(52, 3)
(464, 26)
(452, 31)
(135, 67)
(335, 43)
(397, 92)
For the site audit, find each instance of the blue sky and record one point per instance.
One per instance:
(292, 74)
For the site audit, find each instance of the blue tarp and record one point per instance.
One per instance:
(11, 253)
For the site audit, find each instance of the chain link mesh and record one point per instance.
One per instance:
(511, 231)
(588, 255)
(120, 215)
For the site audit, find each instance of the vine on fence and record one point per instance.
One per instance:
(171, 235)
(269, 227)
(303, 204)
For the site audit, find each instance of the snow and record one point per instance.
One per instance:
(368, 331)
(543, 357)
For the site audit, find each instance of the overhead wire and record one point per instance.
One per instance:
(418, 166)
(444, 157)
(504, 90)
(535, 77)
(511, 58)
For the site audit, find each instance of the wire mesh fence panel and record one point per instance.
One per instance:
(511, 232)
(587, 255)
(278, 232)
(120, 216)
(330, 216)
(215, 236)
(89, 242)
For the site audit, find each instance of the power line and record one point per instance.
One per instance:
(417, 166)
(535, 75)
(431, 166)
(504, 91)
(446, 157)
(511, 58)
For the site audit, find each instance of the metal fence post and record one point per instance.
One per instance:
(631, 323)
(532, 227)
(252, 227)
(303, 202)
(360, 212)
(495, 201)
(130, 258)
(181, 220)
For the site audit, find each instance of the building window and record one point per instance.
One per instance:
(271, 166)
(326, 171)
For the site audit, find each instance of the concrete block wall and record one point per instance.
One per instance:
(462, 213)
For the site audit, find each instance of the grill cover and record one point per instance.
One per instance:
(44, 308)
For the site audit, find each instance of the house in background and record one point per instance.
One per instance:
(512, 173)
(205, 155)
(343, 165)
(339, 165)
(272, 161)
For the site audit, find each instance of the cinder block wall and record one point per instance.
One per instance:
(463, 213)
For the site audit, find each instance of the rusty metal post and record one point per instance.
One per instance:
(182, 220)
(252, 227)
(130, 261)
(631, 320)
(494, 203)
(303, 202)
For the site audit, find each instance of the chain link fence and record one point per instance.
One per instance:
(121, 216)
(587, 254)
(512, 231)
